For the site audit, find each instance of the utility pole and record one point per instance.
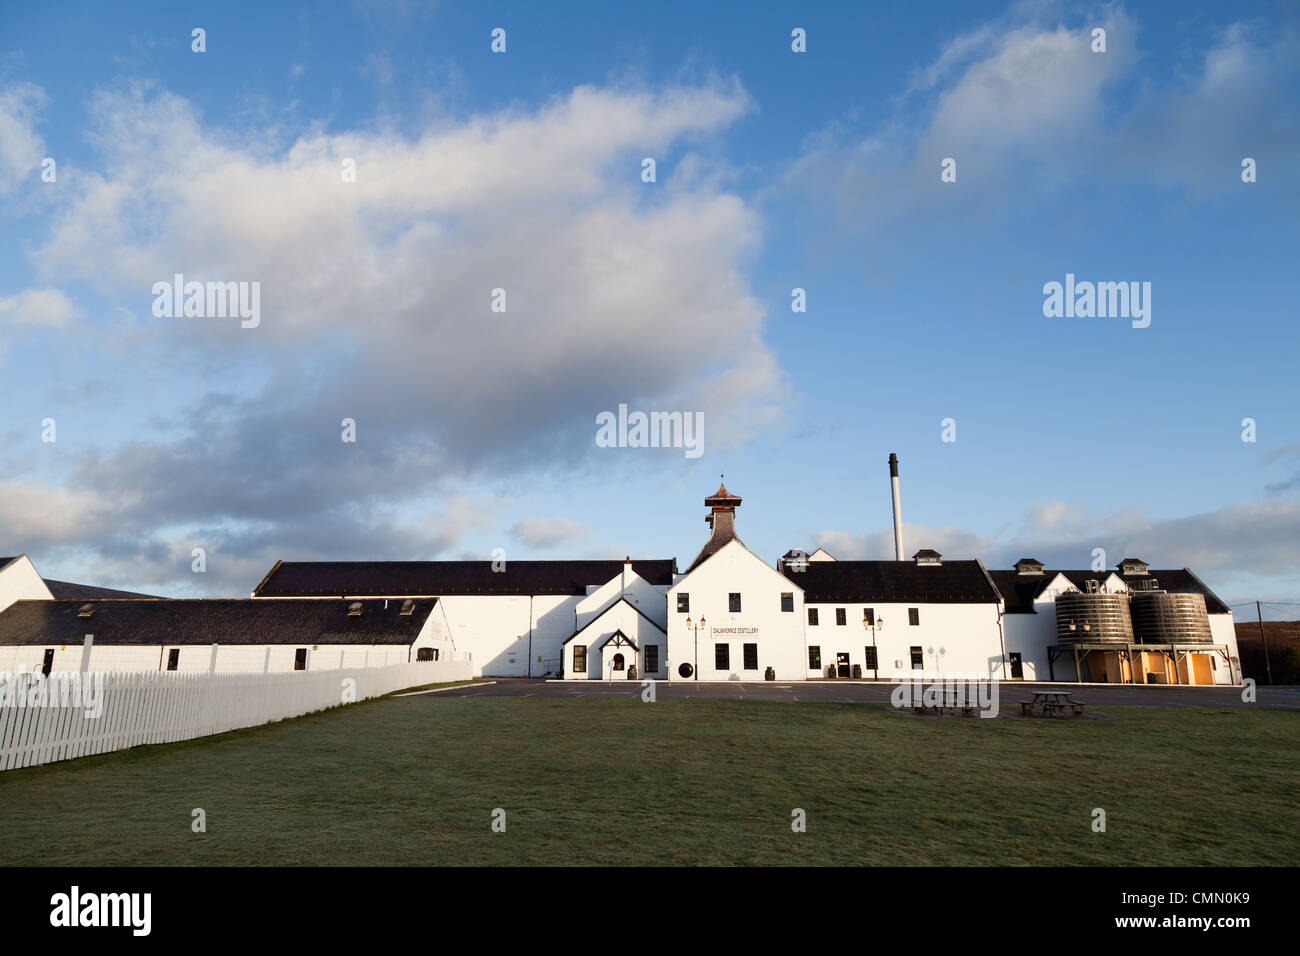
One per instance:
(1263, 640)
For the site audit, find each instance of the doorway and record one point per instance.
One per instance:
(1017, 667)
(842, 664)
(48, 664)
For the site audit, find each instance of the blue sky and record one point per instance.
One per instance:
(522, 170)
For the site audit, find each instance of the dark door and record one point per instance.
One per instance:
(300, 659)
(1017, 668)
(48, 664)
(842, 665)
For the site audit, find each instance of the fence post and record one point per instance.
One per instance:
(86, 645)
(212, 664)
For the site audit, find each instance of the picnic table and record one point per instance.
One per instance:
(949, 700)
(1053, 703)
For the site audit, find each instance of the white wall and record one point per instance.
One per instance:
(778, 634)
(196, 658)
(1223, 631)
(967, 635)
(646, 597)
(553, 618)
(492, 630)
(497, 631)
(19, 581)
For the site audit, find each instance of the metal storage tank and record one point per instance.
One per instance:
(1107, 615)
(1160, 618)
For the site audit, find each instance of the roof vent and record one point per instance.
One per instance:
(408, 607)
(354, 609)
(927, 556)
(87, 610)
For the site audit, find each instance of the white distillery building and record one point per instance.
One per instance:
(583, 619)
(218, 636)
(728, 616)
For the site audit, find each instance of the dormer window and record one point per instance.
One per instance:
(1029, 566)
(1133, 566)
(927, 556)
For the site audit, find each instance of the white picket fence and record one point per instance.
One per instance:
(160, 707)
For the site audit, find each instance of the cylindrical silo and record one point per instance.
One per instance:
(1096, 618)
(1160, 618)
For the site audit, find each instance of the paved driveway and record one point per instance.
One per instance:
(849, 691)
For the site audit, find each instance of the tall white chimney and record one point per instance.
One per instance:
(898, 508)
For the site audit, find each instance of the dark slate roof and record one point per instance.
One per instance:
(888, 582)
(5, 561)
(1020, 590)
(437, 578)
(67, 591)
(211, 621)
(722, 536)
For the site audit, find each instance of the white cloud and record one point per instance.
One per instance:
(376, 306)
(48, 307)
(1025, 107)
(545, 532)
(38, 514)
(21, 148)
(597, 266)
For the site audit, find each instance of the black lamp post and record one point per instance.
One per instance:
(696, 628)
(873, 622)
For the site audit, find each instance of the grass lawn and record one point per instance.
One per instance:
(414, 780)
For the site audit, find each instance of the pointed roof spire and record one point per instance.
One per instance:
(721, 518)
(722, 499)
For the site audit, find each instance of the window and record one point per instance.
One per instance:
(814, 658)
(872, 663)
(300, 659)
(869, 613)
(733, 602)
(787, 600)
(683, 603)
(840, 616)
(580, 658)
(173, 658)
(722, 656)
(652, 658)
(918, 659)
(812, 616)
(424, 654)
(751, 657)
(618, 662)
(914, 616)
